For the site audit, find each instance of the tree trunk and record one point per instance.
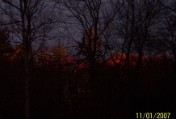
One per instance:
(139, 63)
(27, 100)
(127, 61)
(27, 69)
(93, 81)
(174, 65)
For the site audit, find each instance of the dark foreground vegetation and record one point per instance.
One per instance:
(64, 91)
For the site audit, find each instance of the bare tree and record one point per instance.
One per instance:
(93, 17)
(167, 36)
(27, 20)
(126, 28)
(148, 17)
(135, 25)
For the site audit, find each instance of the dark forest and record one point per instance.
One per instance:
(87, 59)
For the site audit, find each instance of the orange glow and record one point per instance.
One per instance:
(82, 66)
(69, 59)
(119, 58)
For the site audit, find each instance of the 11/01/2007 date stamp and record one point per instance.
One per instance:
(150, 115)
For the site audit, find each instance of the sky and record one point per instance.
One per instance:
(65, 32)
